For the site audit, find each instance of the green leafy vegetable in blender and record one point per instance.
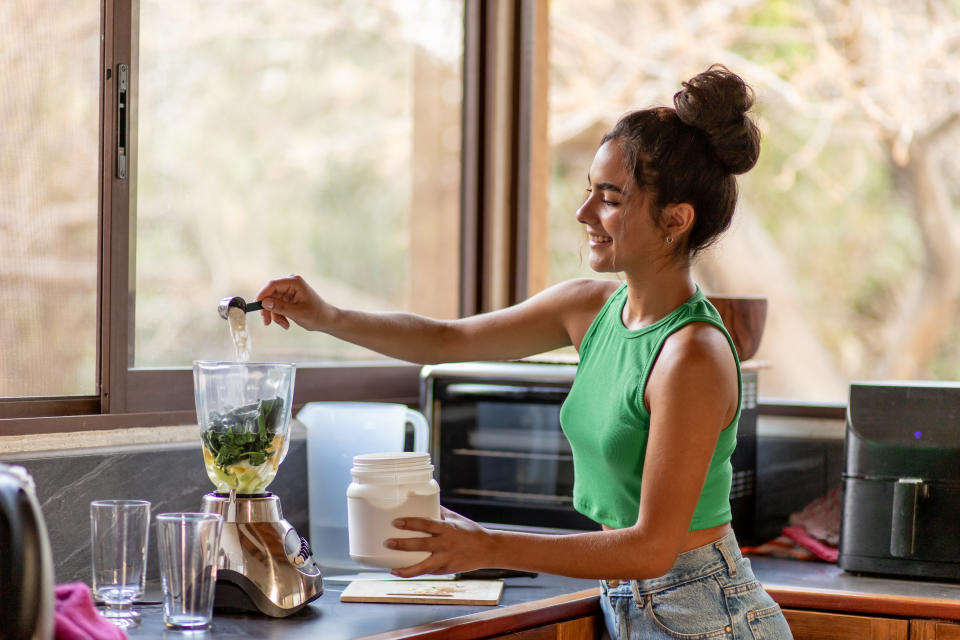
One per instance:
(246, 432)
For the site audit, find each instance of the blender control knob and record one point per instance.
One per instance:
(297, 549)
(306, 553)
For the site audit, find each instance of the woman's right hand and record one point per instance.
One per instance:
(291, 298)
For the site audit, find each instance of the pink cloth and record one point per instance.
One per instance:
(819, 548)
(75, 617)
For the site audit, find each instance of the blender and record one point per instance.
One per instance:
(243, 409)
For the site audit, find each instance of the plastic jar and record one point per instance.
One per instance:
(387, 486)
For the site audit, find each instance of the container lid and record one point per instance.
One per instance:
(391, 461)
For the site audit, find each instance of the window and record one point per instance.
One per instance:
(318, 138)
(430, 155)
(848, 224)
(261, 138)
(48, 197)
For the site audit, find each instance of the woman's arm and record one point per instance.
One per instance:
(692, 395)
(553, 318)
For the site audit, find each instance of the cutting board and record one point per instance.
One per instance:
(424, 591)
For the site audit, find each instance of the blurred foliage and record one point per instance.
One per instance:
(838, 86)
(274, 142)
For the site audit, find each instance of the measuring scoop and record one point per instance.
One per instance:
(223, 307)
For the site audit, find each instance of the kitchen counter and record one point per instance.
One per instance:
(532, 602)
(525, 603)
(820, 585)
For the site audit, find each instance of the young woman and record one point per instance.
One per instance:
(652, 413)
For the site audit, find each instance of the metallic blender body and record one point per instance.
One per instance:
(244, 413)
(264, 564)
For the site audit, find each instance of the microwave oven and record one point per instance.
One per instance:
(501, 457)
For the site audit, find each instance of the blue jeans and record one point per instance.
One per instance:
(710, 592)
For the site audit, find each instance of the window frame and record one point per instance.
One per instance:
(503, 206)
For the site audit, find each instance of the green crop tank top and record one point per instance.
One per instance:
(606, 421)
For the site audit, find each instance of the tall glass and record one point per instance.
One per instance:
(189, 544)
(118, 538)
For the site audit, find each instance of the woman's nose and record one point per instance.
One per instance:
(585, 211)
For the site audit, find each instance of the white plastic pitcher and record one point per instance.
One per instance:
(336, 432)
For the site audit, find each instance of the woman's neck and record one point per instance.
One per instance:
(651, 298)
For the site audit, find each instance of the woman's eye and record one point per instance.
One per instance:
(610, 203)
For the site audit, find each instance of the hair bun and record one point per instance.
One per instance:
(716, 102)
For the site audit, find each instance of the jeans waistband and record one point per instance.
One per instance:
(706, 560)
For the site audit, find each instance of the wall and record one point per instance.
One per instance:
(170, 475)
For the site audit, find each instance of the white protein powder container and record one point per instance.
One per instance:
(387, 486)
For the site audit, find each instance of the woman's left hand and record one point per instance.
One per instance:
(455, 544)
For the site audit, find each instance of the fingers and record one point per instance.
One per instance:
(278, 297)
(427, 525)
(418, 569)
(410, 544)
(281, 320)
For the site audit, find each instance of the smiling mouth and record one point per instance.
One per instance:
(595, 239)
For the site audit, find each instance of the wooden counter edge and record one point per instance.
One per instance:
(502, 620)
(856, 602)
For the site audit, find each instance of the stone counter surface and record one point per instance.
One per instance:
(330, 619)
(532, 602)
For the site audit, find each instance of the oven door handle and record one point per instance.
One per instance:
(472, 389)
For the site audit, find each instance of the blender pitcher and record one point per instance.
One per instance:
(336, 432)
(244, 413)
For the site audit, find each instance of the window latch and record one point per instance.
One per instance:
(122, 128)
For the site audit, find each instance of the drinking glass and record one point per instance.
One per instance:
(189, 544)
(118, 537)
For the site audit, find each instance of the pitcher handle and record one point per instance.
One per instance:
(421, 430)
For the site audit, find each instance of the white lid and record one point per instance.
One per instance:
(392, 461)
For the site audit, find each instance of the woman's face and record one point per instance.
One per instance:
(616, 216)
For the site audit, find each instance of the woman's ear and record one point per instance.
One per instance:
(678, 219)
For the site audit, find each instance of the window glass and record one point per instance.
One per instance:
(848, 224)
(277, 137)
(49, 164)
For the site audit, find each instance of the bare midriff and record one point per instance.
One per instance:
(700, 537)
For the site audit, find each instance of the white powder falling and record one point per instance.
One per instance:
(237, 319)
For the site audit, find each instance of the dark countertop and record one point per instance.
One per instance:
(328, 618)
(531, 602)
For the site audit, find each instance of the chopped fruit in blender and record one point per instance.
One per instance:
(239, 446)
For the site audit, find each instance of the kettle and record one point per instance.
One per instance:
(336, 432)
(26, 563)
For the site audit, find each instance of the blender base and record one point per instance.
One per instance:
(264, 565)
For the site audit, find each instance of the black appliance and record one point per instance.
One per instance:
(901, 480)
(26, 563)
(502, 458)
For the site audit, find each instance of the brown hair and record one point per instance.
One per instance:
(691, 153)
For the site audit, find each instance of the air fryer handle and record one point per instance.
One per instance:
(903, 525)
(13, 564)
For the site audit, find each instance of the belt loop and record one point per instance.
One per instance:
(635, 589)
(721, 546)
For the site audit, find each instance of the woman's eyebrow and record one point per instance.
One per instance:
(605, 186)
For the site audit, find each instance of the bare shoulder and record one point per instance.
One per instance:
(582, 299)
(698, 344)
(697, 358)
(587, 292)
